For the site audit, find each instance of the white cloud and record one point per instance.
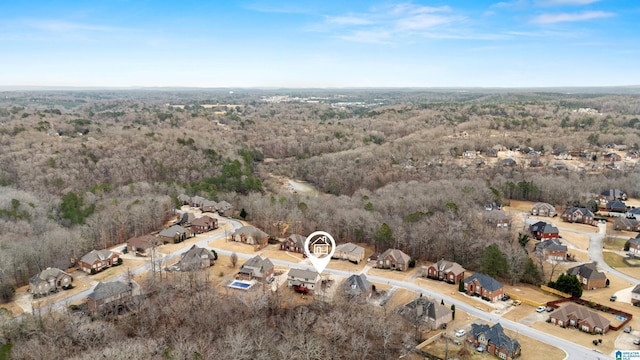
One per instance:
(571, 17)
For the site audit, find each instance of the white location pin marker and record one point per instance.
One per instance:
(319, 247)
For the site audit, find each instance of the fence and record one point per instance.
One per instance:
(524, 300)
(554, 291)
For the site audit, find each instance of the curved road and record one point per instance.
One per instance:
(573, 351)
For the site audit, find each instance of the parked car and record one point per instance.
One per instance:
(549, 309)
(541, 309)
(636, 341)
(613, 298)
(627, 329)
(506, 297)
(457, 342)
(460, 333)
(480, 348)
(516, 302)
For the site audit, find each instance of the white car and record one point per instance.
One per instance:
(460, 333)
(541, 309)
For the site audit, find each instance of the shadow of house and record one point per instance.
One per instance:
(48, 281)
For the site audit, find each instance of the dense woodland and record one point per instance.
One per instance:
(91, 169)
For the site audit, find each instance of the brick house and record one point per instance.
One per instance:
(48, 281)
(393, 259)
(612, 194)
(204, 224)
(551, 249)
(141, 244)
(499, 218)
(494, 340)
(174, 234)
(634, 245)
(426, 311)
(293, 243)
(626, 224)
(196, 258)
(484, 286)
(109, 297)
(616, 206)
(543, 209)
(573, 315)
(578, 215)
(445, 270)
(98, 260)
(256, 268)
(543, 230)
(251, 235)
(589, 276)
(349, 251)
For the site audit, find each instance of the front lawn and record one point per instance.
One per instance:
(613, 259)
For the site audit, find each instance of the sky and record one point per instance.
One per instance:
(319, 43)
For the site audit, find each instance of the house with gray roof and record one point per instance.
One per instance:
(142, 244)
(209, 206)
(543, 209)
(498, 218)
(196, 258)
(427, 312)
(484, 286)
(626, 223)
(301, 278)
(634, 245)
(256, 268)
(251, 235)
(98, 260)
(573, 315)
(551, 249)
(494, 340)
(589, 276)
(112, 296)
(616, 206)
(635, 295)
(445, 270)
(612, 194)
(349, 251)
(358, 287)
(224, 208)
(174, 234)
(393, 259)
(48, 281)
(544, 230)
(293, 243)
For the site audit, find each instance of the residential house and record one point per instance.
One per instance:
(635, 295)
(589, 276)
(174, 234)
(494, 340)
(393, 259)
(184, 199)
(109, 297)
(499, 218)
(616, 206)
(293, 243)
(445, 270)
(634, 213)
(349, 251)
(142, 244)
(510, 162)
(612, 157)
(49, 280)
(251, 235)
(196, 201)
(543, 230)
(98, 260)
(469, 154)
(301, 279)
(578, 215)
(626, 224)
(484, 286)
(185, 219)
(209, 206)
(570, 314)
(634, 245)
(196, 258)
(204, 224)
(256, 268)
(613, 194)
(358, 287)
(426, 311)
(543, 209)
(551, 249)
(224, 208)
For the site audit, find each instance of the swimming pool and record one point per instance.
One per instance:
(239, 284)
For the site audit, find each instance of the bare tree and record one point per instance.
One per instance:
(234, 259)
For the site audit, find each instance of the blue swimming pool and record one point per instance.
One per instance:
(240, 285)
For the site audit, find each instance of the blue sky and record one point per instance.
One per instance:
(328, 43)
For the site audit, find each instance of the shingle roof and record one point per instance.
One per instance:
(303, 274)
(45, 275)
(107, 289)
(397, 255)
(551, 244)
(192, 259)
(357, 284)
(588, 271)
(350, 248)
(636, 290)
(582, 313)
(486, 281)
(449, 266)
(584, 211)
(258, 262)
(297, 239)
(202, 221)
(544, 205)
(613, 193)
(495, 335)
(96, 255)
(172, 231)
(251, 231)
(635, 241)
(424, 307)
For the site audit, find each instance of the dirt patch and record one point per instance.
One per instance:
(530, 292)
(394, 274)
(232, 246)
(579, 241)
(400, 297)
(276, 253)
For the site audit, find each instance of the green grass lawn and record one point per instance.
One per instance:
(613, 259)
(5, 351)
(614, 243)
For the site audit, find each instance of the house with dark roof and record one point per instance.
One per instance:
(494, 340)
(174, 234)
(634, 245)
(634, 213)
(589, 276)
(204, 224)
(551, 249)
(48, 281)
(142, 244)
(251, 235)
(543, 209)
(578, 215)
(357, 287)
(616, 206)
(635, 295)
(612, 194)
(349, 251)
(499, 218)
(626, 224)
(256, 268)
(196, 258)
(484, 286)
(393, 259)
(98, 260)
(445, 270)
(185, 219)
(293, 243)
(301, 279)
(426, 312)
(543, 230)
(109, 297)
(573, 315)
